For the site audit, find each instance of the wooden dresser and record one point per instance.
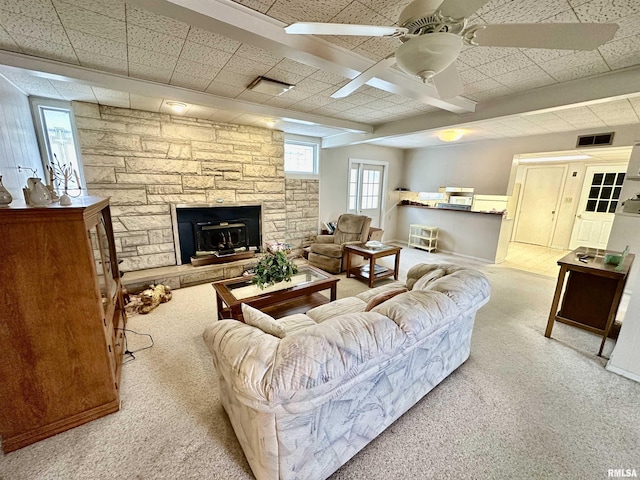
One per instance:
(61, 321)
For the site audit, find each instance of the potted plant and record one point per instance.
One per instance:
(273, 268)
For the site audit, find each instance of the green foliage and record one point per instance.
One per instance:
(273, 268)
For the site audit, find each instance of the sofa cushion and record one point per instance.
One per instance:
(383, 297)
(295, 323)
(327, 249)
(422, 269)
(335, 308)
(372, 292)
(419, 312)
(467, 288)
(266, 323)
(424, 281)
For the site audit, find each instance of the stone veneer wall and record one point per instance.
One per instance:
(147, 161)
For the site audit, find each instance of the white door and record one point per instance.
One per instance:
(598, 202)
(539, 204)
(365, 190)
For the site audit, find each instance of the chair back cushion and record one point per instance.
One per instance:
(352, 228)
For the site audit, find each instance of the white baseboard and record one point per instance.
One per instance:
(623, 373)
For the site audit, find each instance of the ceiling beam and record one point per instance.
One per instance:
(575, 93)
(65, 72)
(248, 26)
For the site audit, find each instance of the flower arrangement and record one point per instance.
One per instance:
(273, 268)
(61, 175)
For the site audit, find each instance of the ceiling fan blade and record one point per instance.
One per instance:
(564, 36)
(460, 8)
(311, 28)
(364, 77)
(448, 82)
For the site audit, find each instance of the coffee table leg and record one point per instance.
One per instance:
(348, 263)
(219, 304)
(372, 270)
(334, 290)
(395, 271)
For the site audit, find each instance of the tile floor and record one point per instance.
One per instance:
(534, 258)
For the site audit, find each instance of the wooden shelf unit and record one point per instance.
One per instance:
(423, 236)
(61, 331)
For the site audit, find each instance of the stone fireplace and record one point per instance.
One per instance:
(202, 230)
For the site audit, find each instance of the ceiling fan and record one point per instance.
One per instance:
(432, 33)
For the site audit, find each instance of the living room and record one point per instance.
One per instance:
(158, 99)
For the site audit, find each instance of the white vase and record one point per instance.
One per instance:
(38, 193)
(5, 196)
(65, 200)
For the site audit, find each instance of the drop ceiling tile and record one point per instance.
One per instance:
(212, 40)
(490, 6)
(42, 48)
(159, 23)
(377, 48)
(543, 55)
(244, 66)
(140, 102)
(572, 60)
(38, 9)
(190, 81)
(622, 53)
(356, 12)
(154, 40)
(258, 5)
(482, 85)
(258, 55)
(390, 10)
(152, 59)
(313, 86)
(204, 54)
(374, 92)
(76, 18)
(284, 76)
(397, 109)
(97, 45)
(581, 72)
(232, 78)
(30, 27)
(525, 11)
(318, 101)
(603, 11)
(399, 99)
(529, 77)
(629, 26)
(303, 10)
(472, 75)
(296, 67)
(345, 41)
(110, 8)
(255, 97)
(620, 111)
(149, 72)
(7, 43)
(380, 104)
(475, 56)
(280, 102)
(577, 114)
(70, 86)
(103, 62)
(488, 94)
(362, 110)
(576, 3)
(296, 94)
(196, 69)
(567, 16)
(504, 65)
(635, 103)
(224, 89)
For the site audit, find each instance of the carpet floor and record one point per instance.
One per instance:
(522, 407)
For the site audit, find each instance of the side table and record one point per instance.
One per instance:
(371, 271)
(593, 292)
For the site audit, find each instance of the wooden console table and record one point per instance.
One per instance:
(592, 295)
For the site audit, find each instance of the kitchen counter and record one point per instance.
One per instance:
(449, 209)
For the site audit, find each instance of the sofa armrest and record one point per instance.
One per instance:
(325, 239)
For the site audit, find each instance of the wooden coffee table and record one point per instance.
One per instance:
(285, 298)
(372, 254)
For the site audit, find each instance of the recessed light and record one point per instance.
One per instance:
(270, 122)
(269, 87)
(451, 135)
(177, 107)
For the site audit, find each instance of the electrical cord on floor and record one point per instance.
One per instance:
(129, 354)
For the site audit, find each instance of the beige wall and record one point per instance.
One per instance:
(147, 161)
(18, 144)
(334, 166)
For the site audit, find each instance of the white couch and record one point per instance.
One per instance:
(303, 405)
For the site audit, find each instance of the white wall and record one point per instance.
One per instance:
(334, 166)
(18, 144)
(625, 358)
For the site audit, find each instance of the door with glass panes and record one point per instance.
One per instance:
(365, 190)
(598, 203)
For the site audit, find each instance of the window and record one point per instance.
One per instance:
(300, 158)
(57, 142)
(605, 192)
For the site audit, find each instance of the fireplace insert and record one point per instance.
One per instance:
(220, 239)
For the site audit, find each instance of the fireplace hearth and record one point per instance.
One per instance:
(219, 231)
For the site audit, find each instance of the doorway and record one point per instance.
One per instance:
(367, 180)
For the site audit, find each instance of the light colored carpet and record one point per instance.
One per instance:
(522, 407)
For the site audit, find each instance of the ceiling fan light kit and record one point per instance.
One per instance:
(432, 33)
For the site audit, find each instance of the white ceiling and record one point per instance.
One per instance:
(122, 39)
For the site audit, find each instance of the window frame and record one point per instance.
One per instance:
(37, 103)
(304, 141)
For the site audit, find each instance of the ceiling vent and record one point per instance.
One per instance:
(595, 140)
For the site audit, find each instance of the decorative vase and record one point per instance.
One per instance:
(5, 196)
(38, 193)
(65, 200)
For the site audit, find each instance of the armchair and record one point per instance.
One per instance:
(328, 251)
